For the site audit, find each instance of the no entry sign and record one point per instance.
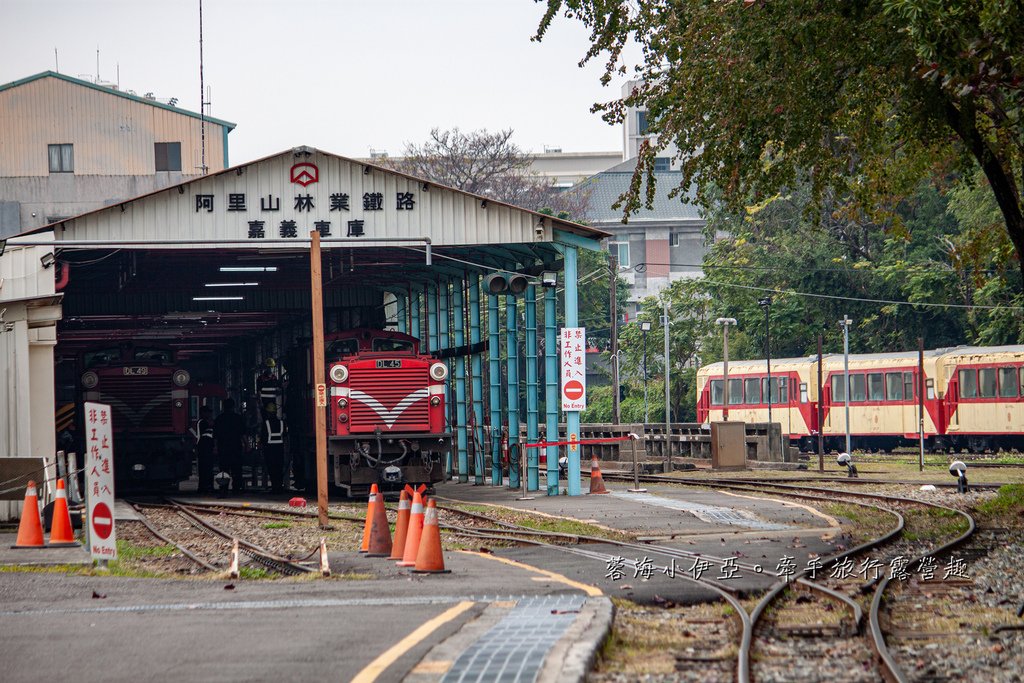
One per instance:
(574, 368)
(99, 480)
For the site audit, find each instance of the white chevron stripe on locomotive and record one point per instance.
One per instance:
(389, 416)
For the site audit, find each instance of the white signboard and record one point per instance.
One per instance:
(574, 368)
(99, 481)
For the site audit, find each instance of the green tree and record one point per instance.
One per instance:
(860, 99)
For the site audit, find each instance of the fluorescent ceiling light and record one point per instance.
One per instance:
(248, 269)
(231, 284)
(218, 298)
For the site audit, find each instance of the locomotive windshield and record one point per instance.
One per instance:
(152, 355)
(392, 345)
(102, 357)
(342, 347)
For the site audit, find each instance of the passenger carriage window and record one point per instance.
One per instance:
(876, 387)
(839, 389)
(929, 388)
(716, 392)
(752, 390)
(780, 390)
(735, 392)
(803, 392)
(1021, 382)
(894, 386)
(1008, 382)
(765, 394)
(908, 385)
(968, 384)
(858, 388)
(987, 382)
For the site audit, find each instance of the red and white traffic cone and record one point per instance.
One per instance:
(401, 527)
(429, 557)
(30, 530)
(61, 533)
(415, 530)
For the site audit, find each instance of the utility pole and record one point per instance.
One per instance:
(613, 307)
(766, 304)
(668, 384)
(821, 412)
(317, 296)
(845, 323)
(920, 400)
(725, 322)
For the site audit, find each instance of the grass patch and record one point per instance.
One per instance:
(277, 525)
(1008, 501)
(933, 524)
(128, 551)
(255, 573)
(866, 523)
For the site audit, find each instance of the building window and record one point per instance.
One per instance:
(62, 158)
(168, 156)
(621, 251)
(673, 239)
(641, 123)
(662, 164)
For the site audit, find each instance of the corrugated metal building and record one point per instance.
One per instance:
(68, 146)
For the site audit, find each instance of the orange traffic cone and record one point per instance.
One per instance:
(365, 546)
(61, 534)
(429, 558)
(380, 532)
(30, 531)
(596, 480)
(401, 527)
(413, 533)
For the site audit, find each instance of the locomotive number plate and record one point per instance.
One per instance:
(388, 364)
(135, 370)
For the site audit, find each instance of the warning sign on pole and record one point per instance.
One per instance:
(321, 395)
(574, 368)
(99, 481)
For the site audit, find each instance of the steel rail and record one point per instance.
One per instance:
(184, 551)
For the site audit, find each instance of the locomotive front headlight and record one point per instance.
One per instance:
(181, 378)
(339, 373)
(343, 403)
(90, 379)
(438, 371)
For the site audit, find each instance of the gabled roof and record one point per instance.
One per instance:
(116, 93)
(606, 187)
(465, 210)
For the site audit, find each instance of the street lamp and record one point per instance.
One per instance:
(725, 322)
(645, 327)
(766, 304)
(845, 324)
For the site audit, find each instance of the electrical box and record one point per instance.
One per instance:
(728, 445)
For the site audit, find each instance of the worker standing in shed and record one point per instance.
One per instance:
(203, 431)
(229, 432)
(273, 447)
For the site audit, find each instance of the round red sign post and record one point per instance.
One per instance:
(573, 389)
(102, 520)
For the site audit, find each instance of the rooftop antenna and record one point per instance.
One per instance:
(97, 63)
(202, 96)
(56, 61)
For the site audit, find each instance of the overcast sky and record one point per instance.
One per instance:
(344, 76)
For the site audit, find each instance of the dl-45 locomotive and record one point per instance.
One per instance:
(148, 394)
(386, 411)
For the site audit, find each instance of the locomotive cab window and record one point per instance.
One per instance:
(968, 384)
(987, 383)
(342, 347)
(152, 355)
(102, 357)
(1007, 382)
(716, 392)
(392, 345)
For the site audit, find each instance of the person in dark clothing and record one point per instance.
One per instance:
(272, 436)
(229, 432)
(203, 431)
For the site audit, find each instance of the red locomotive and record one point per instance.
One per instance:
(148, 394)
(386, 411)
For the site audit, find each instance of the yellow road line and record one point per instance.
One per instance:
(592, 591)
(391, 655)
(832, 521)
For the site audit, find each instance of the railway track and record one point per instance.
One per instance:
(207, 544)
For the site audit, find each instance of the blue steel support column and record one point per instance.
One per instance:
(444, 323)
(512, 368)
(478, 380)
(494, 382)
(460, 384)
(431, 295)
(532, 402)
(551, 384)
(414, 304)
(572, 417)
(403, 321)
